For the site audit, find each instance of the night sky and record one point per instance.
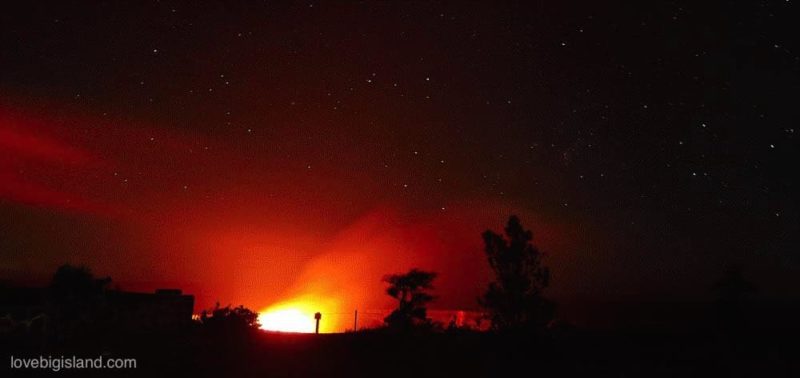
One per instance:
(249, 152)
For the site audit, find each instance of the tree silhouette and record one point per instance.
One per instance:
(514, 300)
(732, 287)
(77, 284)
(410, 291)
(76, 298)
(732, 290)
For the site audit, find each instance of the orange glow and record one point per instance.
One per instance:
(287, 320)
(294, 316)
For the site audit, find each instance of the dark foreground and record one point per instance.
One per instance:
(196, 353)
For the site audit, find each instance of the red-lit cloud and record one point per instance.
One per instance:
(34, 166)
(178, 209)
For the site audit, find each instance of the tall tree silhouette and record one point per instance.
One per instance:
(732, 290)
(410, 291)
(514, 300)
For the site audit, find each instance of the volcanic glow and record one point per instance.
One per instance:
(297, 318)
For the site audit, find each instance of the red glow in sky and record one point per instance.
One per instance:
(269, 152)
(166, 209)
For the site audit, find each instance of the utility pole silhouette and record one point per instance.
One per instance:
(355, 321)
(317, 316)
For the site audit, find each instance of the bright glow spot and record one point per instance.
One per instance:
(287, 320)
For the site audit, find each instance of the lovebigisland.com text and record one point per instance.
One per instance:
(59, 363)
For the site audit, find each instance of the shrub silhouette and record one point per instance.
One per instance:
(229, 319)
